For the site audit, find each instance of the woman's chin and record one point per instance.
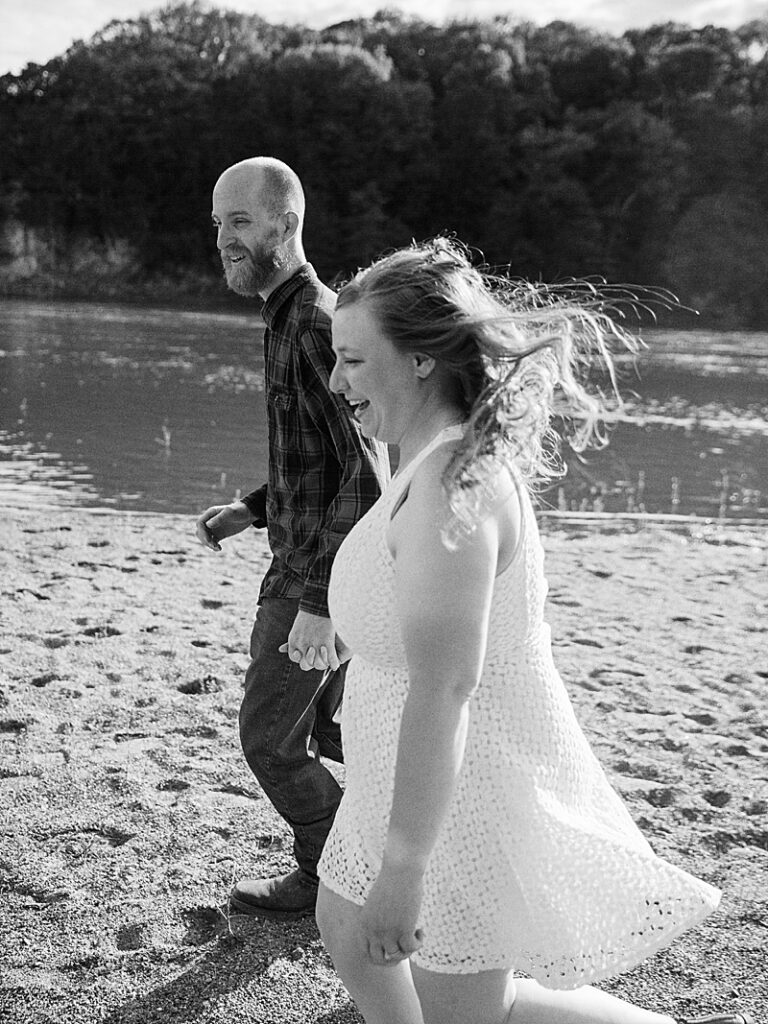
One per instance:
(368, 429)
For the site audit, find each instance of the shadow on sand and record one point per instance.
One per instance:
(246, 970)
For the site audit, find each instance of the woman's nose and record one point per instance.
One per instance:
(336, 382)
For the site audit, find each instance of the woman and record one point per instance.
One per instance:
(478, 835)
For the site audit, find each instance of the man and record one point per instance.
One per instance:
(323, 476)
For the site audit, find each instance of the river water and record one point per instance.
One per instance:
(125, 407)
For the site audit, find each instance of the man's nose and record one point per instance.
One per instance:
(222, 237)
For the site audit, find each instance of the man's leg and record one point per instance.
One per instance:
(278, 719)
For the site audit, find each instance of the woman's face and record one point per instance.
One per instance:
(380, 383)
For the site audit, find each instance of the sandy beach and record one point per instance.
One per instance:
(126, 810)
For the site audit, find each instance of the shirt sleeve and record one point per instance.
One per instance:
(362, 465)
(256, 503)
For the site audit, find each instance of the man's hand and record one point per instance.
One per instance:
(312, 642)
(221, 521)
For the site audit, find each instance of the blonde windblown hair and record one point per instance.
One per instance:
(517, 354)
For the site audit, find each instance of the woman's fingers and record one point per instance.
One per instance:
(307, 660)
(321, 658)
(311, 658)
(386, 953)
(383, 957)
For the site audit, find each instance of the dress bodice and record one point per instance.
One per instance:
(361, 595)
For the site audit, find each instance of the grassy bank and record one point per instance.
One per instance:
(127, 810)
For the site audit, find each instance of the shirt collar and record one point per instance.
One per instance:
(281, 294)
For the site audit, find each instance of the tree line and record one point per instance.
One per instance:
(555, 150)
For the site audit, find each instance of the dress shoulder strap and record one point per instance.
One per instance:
(398, 487)
(452, 433)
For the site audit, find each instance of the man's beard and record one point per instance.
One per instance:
(253, 275)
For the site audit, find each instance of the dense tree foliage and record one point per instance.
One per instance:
(556, 150)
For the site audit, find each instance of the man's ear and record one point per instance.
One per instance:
(424, 365)
(289, 224)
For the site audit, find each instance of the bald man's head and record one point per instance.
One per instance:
(272, 183)
(258, 212)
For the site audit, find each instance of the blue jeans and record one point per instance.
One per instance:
(286, 723)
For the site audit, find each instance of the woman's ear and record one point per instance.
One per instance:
(424, 365)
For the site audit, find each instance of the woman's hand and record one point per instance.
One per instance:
(312, 643)
(389, 916)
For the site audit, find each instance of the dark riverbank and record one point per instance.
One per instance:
(195, 293)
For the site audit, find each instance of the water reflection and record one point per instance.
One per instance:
(164, 410)
(128, 407)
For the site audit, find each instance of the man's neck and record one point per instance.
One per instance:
(282, 276)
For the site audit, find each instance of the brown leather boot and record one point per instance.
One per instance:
(285, 897)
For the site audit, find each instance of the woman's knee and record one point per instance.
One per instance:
(323, 915)
(334, 921)
(483, 998)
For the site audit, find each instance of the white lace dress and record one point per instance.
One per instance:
(538, 866)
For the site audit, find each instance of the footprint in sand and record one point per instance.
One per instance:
(16, 725)
(99, 632)
(43, 680)
(610, 675)
(206, 684)
(204, 732)
(268, 842)
(173, 786)
(202, 924)
(231, 789)
(585, 684)
(54, 642)
(717, 797)
(662, 797)
(134, 936)
(701, 717)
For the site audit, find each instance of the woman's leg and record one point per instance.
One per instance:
(495, 997)
(384, 995)
(406, 994)
(482, 998)
(535, 1004)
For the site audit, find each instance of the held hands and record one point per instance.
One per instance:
(389, 916)
(221, 521)
(312, 643)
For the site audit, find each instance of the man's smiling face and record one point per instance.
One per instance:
(247, 236)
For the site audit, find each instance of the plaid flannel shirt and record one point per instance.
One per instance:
(323, 474)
